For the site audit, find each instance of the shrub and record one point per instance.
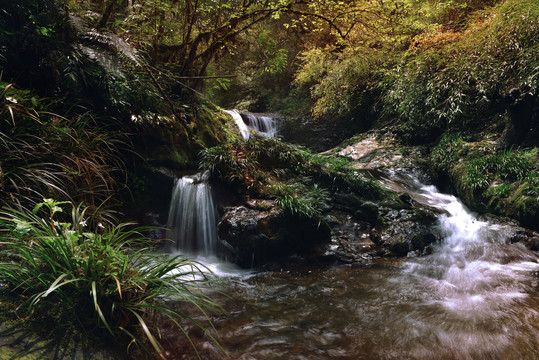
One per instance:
(105, 278)
(454, 80)
(66, 157)
(345, 84)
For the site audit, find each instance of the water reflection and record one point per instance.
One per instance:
(376, 313)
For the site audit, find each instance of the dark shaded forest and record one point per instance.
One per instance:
(98, 94)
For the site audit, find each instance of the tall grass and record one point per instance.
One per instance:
(43, 153)
(104, 278)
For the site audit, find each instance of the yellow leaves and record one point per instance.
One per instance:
(435, 38)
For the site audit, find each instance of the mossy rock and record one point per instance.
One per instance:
(177, 145)
(252, 238)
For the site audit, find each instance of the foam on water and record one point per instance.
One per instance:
(473, 269)
(260, 124)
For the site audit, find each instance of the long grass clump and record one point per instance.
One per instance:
(105, 279)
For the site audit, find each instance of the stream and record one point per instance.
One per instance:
(475, 297)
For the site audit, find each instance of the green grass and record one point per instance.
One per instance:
(103, 279)
(45, 154)
(304, 200)
(300, 181)
(509, 165)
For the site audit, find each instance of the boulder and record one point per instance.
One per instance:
(252, 237)
(528, 237)
(407, 231)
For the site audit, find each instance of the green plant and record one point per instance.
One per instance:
(501, 190)
(532, 183)
(447, 151)
(476, 177)
(510, 165)
(67, 157)
(101, 278)
(301, 199)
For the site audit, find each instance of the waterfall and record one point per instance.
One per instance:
(261, 124)
(264, 125)
(192, 217)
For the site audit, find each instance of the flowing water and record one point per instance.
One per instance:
(475, 297)
(261, 124)
(192, 217)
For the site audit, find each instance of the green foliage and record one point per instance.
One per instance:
(450, 148)
(445, 66)
(274, 59)
(44, 153)
(452, 79)
(509, 165)
(531, 186)
(502, 190)
(476, 178)
(303, 199)
(95, 278)
(299, 180)
(344, 83)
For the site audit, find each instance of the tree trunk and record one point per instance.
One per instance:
(107, 14)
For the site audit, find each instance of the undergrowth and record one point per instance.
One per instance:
(300, 181)
(100, 279)
(46, 154)
(505, 182)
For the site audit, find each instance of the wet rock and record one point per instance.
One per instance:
(353, 204)
(346, 202)
(527, 237)
(350, 241)
(406, 231)
(406, 199)
(367, 212)
(375, 150)
(253, 237)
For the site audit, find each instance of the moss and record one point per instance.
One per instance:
(177, 145)
(503, 183)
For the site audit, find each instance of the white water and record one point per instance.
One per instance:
(475, 297)
(262, 125)
(474, 270)
(192, 217)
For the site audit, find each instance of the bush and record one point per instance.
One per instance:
(344, 85)
(454, 80)
(102, 278)
(66, 157)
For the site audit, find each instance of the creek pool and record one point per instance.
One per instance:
(390, 309)
(475, 297)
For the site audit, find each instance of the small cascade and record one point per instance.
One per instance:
(236, 116)
(474, 270)
(266, 126)
(192, 217)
